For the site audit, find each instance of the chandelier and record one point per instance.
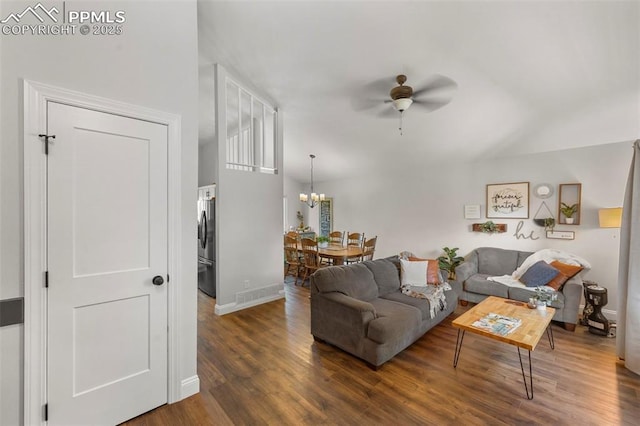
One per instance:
(315, 198)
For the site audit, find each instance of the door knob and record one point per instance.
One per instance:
(158, 280)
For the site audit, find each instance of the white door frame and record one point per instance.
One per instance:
(36, 96)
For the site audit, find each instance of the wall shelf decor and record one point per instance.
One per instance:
(569, 195)
(489, 227)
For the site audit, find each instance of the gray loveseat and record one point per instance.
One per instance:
(471, 282)
(360, 309)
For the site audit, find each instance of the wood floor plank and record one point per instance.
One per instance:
(262, 366)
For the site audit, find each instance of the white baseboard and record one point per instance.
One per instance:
(189, 386)
(233, 307)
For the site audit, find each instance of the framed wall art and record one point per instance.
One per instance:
(326, 217)
(508, 200)
(472, 211)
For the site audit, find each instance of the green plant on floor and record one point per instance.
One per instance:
(450, 260)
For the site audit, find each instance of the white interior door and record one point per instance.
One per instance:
(107, 239)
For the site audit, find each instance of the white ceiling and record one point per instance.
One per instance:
(532, 76)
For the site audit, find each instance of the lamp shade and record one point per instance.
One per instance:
(610, 218)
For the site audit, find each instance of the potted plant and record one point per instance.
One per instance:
(543, 298)
(568, 211)
(450, 261)
(323, 241)
(489, 227)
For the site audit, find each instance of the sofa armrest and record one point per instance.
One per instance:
(572, 291)
(467, 268)
(351, 304)
(336, 317)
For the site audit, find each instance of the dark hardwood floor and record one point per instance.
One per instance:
(262, 366)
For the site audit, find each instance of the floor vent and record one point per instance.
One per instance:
(253, 294)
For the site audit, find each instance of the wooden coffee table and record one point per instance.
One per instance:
(534, 324)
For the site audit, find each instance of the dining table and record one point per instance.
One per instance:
(338, 253)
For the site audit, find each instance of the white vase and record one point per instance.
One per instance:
(541, 306)
(323, 245)
(569, 221)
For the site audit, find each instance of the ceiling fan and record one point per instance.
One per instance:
(433, 94)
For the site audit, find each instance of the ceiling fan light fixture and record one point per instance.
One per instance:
(402, 104)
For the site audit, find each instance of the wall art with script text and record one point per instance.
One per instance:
(508, 200)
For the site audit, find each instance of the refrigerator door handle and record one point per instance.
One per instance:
(203, 228)
(205, 262)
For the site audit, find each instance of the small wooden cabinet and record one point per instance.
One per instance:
(570, 194)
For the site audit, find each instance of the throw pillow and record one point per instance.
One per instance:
(413, 273)
(569, 270)
(558, 281)
(539, 274)
(433, 270)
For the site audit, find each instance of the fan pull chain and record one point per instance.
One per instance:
(400, 123)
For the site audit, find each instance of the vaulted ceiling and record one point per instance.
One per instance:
(532, 76)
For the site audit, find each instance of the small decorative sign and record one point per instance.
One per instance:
(472, 211)
(561, 235)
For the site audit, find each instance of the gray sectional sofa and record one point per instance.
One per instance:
(471, 282)
(360, 309)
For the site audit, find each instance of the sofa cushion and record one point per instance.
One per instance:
(421, 304)
(385, 273)
(478, 283)
(353, 280)
(393, 321)
(495, 261)
(522, 256)
(539, 274)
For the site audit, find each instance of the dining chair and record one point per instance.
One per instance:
(368, 248)
(292, 257)
(336, 237)
(292, 234)
(311, 257)
(355, 239)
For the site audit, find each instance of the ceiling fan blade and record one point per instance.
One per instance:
(372, 94)
(388, 112)
(363, 104)
(435, 83)
(431, 104)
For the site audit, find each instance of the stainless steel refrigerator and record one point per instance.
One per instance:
(207, 242)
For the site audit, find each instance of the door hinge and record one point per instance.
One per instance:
(46, 279)
(46, 142)
(167, 277)
(46, 412)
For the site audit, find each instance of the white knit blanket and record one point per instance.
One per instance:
(433, 293)
(548, 255)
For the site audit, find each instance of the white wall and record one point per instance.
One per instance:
(152, 64)
(248, 220)
(292, 190)
(422, 210)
